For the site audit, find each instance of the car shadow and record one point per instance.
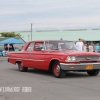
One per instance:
(42, 72)
(69, 74)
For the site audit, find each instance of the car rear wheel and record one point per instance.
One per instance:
(57, 71)
(21, 67)
(93, 72)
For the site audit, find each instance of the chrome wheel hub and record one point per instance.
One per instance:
(58, 68)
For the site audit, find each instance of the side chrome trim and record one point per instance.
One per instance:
(26, 59)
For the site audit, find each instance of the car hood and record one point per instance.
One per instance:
(76, 53)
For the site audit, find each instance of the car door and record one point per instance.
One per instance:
(38, 56)
(27, 55)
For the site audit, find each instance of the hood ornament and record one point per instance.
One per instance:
(88, 58)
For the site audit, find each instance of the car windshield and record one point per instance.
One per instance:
(60, 45)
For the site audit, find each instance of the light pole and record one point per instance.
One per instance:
(31, 31)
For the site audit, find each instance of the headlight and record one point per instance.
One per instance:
(70, 58)
(73, 58)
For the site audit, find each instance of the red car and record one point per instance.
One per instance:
(57, 56)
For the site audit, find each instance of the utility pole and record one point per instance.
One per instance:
(31, 31)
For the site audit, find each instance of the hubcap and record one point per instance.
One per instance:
(58, 68)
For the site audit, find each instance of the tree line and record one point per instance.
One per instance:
(10, 34)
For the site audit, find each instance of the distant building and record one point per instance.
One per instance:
(87, 35)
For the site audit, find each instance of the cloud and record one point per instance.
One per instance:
(36, 6)
(18, 14)
(55, 23)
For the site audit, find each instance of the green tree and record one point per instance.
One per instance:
(10, 34)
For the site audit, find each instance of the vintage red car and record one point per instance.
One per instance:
(58, 56)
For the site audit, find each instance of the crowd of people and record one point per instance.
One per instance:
(87, 47)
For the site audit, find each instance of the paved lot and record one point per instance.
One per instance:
(42, 85)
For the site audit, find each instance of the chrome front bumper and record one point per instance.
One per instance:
(81, 66)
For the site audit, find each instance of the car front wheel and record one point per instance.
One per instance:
(21, 67)
(57, 71)
(93, 72)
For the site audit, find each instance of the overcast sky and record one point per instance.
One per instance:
(17, 15)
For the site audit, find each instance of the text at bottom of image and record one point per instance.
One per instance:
(16, 89)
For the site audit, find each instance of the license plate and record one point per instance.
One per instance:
(89, 67)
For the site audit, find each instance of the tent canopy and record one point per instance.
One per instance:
(12, 41)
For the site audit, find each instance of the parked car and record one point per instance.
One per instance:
(1, 54)
(4, 49)
(58, 56)
(1, 49)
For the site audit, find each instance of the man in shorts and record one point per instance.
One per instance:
(80, 45)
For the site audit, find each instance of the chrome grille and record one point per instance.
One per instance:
(87, 58)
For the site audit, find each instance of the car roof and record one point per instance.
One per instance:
(49, 40)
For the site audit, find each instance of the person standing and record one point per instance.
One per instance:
(97, 47)
(91, 49)
(85, 47)
(80, 45)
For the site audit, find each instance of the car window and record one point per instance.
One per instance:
(30, 47)
(60, 45)
(39, 46)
